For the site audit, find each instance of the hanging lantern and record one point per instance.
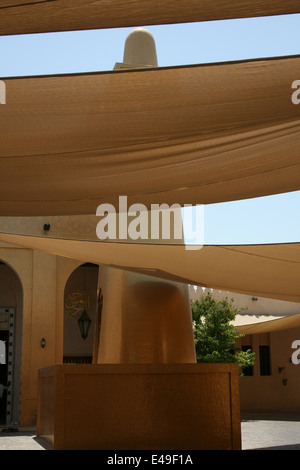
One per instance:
(84, 323)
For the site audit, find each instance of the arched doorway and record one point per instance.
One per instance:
(80, 305)
(11, 313)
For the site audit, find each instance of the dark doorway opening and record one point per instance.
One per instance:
(3, 379)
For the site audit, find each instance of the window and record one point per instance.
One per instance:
(248, 371)
(264, 360)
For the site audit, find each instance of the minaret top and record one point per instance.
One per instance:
(139, 50)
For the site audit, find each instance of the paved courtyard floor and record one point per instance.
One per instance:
(264, 431)
(271, 431)
(21, 438)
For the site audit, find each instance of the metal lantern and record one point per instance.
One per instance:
(84, 323)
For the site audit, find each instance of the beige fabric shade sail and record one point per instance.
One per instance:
(188, 135)
(39, 16)
(263, 270)
(279, 324)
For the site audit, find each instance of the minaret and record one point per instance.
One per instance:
(139, 51)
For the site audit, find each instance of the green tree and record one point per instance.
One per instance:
(214, 334)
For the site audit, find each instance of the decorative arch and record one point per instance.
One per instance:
(80, 307)
(11, 326)
(5, 260)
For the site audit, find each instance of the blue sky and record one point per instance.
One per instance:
(272, 219)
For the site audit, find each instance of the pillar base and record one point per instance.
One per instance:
(140, 407)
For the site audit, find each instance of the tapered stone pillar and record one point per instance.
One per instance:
(144, 320)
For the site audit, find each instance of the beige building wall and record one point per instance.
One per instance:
(34, 283)
(280, 389)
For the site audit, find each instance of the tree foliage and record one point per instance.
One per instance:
(214, 334)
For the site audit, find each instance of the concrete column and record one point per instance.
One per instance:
(144, 320)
